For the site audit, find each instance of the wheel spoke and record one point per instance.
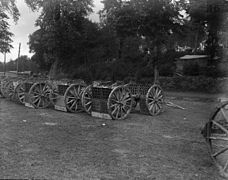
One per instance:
(69, 102)
(87, 98)
(73, 105)
(220, 152)
(151, 103)
(88, 103)
(118, 111)
(71, 92)
(75, 92)
(76, 106)
(38, 105)
(114, 111)
(124, 110)
(115, 97)
(226, 165)
(89, 108)
(113, 100)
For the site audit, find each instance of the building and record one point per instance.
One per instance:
(187, 60)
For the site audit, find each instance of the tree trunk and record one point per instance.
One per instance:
(54, 70)
(121, 43)
(196, 38)
(155, 64)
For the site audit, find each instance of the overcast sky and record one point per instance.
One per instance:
(25, 26)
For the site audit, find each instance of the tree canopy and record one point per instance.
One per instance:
(7, 8)
(61, 28)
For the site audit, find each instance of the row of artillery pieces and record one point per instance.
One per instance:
(112, 101)
(100, 99)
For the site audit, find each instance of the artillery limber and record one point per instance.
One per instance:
(116, 101)
(37, 93)
(100, 99)
(110, 100)
(2, 82)
(215, 133)
(9, 86)
(67, 95)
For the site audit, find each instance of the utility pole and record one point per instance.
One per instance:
(4, 63)
(18, 56)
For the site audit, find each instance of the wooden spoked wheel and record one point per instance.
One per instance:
(20, 92)
(119, 103)
(10, 90)
(73, 96)
(87, 99)
(155, 100)
(4, 88)
(1, 84)
(216, 135)
(39, 95)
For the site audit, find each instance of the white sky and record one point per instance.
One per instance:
(25, 26)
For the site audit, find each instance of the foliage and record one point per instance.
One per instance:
(24, 64)
(208, 16)
(133, 37)
(155, 20)
(193, 83)
(7, 7)
(61, 30)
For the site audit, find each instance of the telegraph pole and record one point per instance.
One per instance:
(18, 56)
(4, 63)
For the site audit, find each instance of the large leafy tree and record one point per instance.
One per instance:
(7, 7)
(154, 21)
(208, 16)
(61, 30)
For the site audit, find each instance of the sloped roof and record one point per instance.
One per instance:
(187, 57)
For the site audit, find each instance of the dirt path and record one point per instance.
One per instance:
(46, 144)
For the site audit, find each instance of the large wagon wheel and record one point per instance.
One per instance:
(10, 90)
(216, 135)
(1, 84)
(40, 95)
(20, 92)
(73, 96)
(3, 88)
(87, 99)
(155, 100)
(119, 103)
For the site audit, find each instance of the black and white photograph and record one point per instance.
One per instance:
(113, 89)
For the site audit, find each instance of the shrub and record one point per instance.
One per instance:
(193, 83)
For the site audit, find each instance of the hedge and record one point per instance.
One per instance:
(195, 83)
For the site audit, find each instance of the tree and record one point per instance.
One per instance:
(7, 7)
(24, 64)
(154, 21)
(61, 28)
(208, 14)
